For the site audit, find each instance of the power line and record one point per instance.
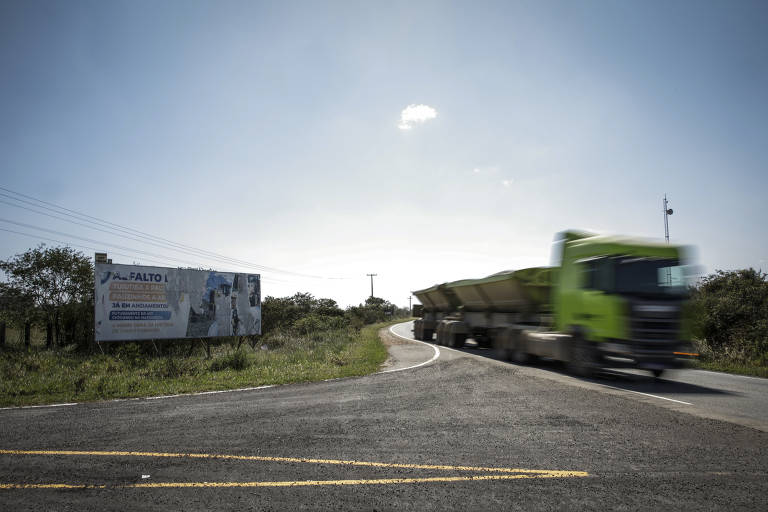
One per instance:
(162, 246)
(125, 231)
(161, 263)
(104, 244)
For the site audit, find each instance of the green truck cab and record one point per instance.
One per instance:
(624, 300)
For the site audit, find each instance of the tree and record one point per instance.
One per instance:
(16, 308)
(54, 281)
(302, 312)
(374, 310)
(732, 312)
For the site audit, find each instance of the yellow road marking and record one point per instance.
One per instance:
(281, 459)
(518, 473)
(299, 483)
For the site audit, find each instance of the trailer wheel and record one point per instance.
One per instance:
(441, 333)
(582, 358)
(418, 329)
(519, 349)
(520, 356)
(458, 339)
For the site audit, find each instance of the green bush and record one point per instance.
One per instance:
(731, 315)
(316, 323)
(237, 360)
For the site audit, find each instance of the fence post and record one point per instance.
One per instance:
(27, 327)
(48, 335)
(2, 334)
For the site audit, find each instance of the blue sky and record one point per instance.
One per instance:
(268, 131)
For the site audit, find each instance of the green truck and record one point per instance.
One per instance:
(612, 302)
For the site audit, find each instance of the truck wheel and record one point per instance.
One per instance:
(457, 340)
(501, 343)
(519, 350)
(520, 356)
(418, 329)
(440, 334)
(582, 358)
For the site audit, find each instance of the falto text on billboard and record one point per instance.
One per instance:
(135, 302)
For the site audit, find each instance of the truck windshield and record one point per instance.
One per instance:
(648, 276)
(636, 276)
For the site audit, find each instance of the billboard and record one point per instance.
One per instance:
(135, 302)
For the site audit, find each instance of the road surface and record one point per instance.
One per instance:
(438, 429)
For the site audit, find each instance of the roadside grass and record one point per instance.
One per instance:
(731, 361)
(37, 376)
(752, 368)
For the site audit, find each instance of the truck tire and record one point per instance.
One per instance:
(519, 349)
(458, 339)
(456, 334)
(441, 333)
(501, 345)
(582, 361)
(427, 334)
(418, 330)
(519, 356)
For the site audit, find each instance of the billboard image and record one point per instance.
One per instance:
(135, 302)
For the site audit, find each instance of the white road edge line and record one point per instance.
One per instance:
(647, 394)
(434, 357)
(723, 374)
(140, 399)
(38, 406)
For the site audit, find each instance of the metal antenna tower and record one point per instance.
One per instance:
(667, 213)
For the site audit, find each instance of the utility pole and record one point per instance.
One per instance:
(410, 308)
(371, 276)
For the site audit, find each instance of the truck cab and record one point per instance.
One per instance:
(623, 300)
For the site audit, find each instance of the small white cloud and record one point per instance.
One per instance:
(507, 183)
(493, 169)
(413, 114)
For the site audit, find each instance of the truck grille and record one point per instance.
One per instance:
(655, 322)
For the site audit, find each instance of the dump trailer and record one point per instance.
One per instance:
(437, 303)
(612, 302)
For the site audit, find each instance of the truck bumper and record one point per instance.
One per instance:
(647, 357)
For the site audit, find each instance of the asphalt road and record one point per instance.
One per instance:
(456, 430)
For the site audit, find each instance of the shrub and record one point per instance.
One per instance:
(237, 360)
(731, 313)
